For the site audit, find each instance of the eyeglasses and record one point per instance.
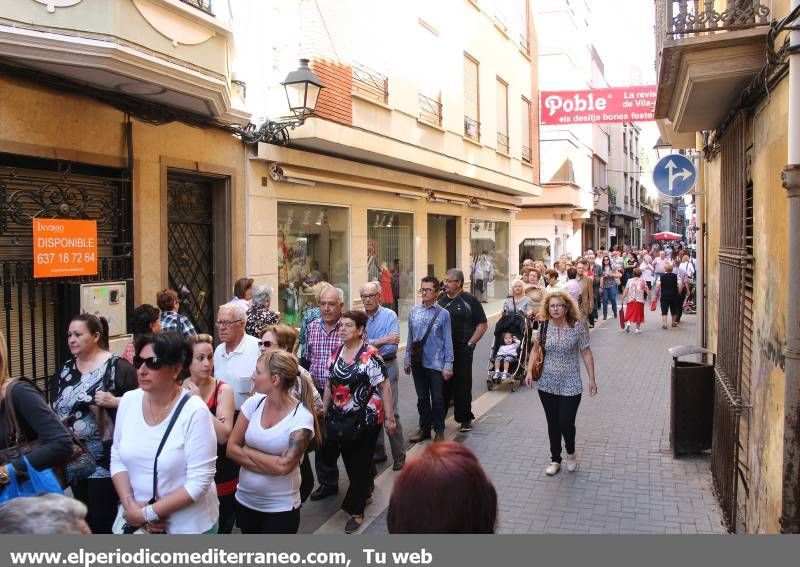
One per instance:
(226, 324)
(152, 362)
(557, 306)
(369, 295)
(425, 290)
(265, 344)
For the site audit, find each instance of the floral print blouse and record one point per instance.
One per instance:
(354, 386)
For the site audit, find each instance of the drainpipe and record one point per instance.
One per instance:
(790, 510)
(699, 242)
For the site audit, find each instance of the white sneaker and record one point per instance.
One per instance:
(638, 331)
(552, 469)
(497, 375)
(572, 465)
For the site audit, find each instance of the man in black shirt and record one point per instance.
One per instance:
(468, 323)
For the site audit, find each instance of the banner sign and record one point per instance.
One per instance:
(597, 106)
(63, 248)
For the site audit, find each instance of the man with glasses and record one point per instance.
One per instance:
(323, 341)
(468, 322)
(383, 332)
(437, 360)
(236, 356)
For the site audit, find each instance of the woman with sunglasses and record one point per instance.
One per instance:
(85, 394)
(560, 386)
(185, 499)
(218, 397)
(284, 337)
(269, 440)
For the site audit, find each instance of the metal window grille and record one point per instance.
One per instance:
(691, 17)
(472, 128)
(526, 154)
(430, 110)
(370, 83)
(203, 5)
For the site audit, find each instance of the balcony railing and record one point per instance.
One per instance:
(526, 154)
(370, 84)
(430, 110)
(524, 43)
(204, 5)
(502, 142)
(690, 17)
(472, 128)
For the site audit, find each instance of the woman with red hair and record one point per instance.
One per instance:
(444, 491)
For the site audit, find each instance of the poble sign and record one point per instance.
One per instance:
(64, 248)
(595, 106)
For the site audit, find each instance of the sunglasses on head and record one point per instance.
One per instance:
(152, 362)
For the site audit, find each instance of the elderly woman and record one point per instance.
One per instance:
(518, 302)
(313, 312)
(566, 342)
(259, 315)
(669, 290)
(356, 399)
(51, 514)
(181, 498)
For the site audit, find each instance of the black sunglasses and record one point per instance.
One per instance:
(265, 344)
(152, 363)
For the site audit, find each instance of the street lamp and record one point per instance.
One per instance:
(302, 92)
(662, 148)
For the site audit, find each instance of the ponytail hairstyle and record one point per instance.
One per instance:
(96, 325)
(284, 365)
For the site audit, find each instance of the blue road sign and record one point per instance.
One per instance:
(674, 175)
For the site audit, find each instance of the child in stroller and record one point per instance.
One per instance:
(506, 354)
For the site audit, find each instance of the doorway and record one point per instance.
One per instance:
(441, 244)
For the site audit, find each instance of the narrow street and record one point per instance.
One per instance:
(628, 481)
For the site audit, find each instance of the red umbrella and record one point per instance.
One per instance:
(666, 236)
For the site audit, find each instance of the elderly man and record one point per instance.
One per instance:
(171, 320)
(429, 325)
(468, 322)
(236, 356)
(322, 340)
(383, 332)
(586, 297)
(47, 514)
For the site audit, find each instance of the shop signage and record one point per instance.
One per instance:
(597, 106)
(64, 248)
(535, 242)
(612, 231)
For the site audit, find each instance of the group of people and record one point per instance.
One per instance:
(189, 437)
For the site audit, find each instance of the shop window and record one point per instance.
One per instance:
(390, 258)
(536, 249)
(313, 246)
(489, 259)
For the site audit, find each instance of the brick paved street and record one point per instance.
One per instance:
(628, 481)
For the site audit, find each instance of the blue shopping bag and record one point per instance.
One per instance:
(39, 482)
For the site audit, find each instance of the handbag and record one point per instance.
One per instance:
(39, 482)
(18, 446)
(120, 525)
(418, 346)
(538, 351)
(622, 316)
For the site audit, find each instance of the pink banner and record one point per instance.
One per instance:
(595, 106)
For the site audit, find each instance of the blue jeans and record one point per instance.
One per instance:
(430, 398)
(609, 295)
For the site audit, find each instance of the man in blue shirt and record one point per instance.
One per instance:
(437, 360)
(383, 332)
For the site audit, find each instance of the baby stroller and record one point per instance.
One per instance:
(689, 302)
(521, 328)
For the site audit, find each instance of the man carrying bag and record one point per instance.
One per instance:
(429, 356)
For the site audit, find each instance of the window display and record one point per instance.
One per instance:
(489, 259)
(390, 258)
(313, 246)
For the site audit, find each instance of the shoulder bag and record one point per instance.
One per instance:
(539, 351)
(120, 525)
(19, 446)
(417, 346)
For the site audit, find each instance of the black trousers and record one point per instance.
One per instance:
(227, 513)
(306, 478)
(255, 522)
(670, 304)
(459, 387)
(681, 299)
(560, 412)
(357, 457)
(101, 501)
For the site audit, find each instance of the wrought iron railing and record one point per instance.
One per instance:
(204, 5)
(472, 128)
(526, 154)
(685, 17)
(524, 43)
(502, 142)
(430, 110)
(369, 83)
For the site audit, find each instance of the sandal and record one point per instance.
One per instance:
(353, 525)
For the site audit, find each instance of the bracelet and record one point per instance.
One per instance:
(150, 515)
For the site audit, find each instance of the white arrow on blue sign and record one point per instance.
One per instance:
(674, 175)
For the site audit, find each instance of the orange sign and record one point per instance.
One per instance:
(63, 248)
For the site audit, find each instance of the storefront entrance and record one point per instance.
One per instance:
(441, 244)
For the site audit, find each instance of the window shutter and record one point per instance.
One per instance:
(471, 88)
